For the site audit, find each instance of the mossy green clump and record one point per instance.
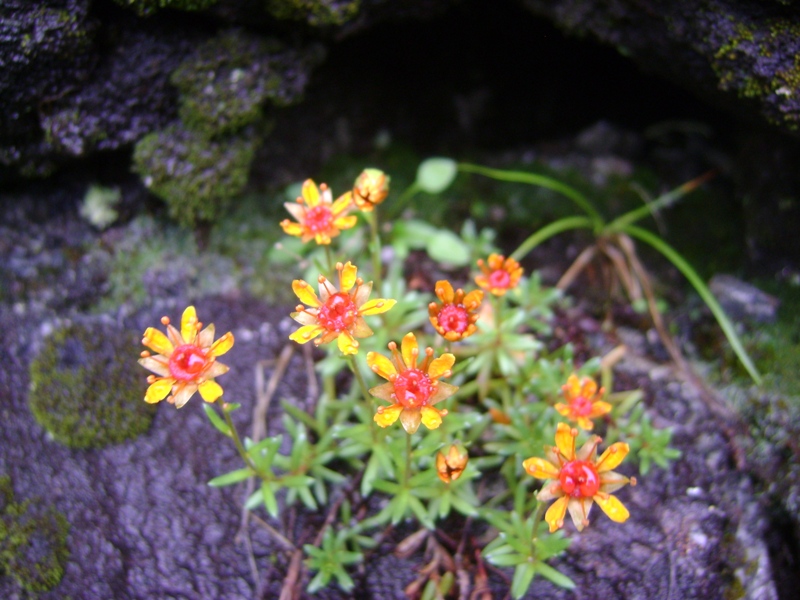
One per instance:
(148, 7)
(83, 393)
(196, 176)
(33, 544)
(315, 12)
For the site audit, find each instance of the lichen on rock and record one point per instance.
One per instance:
(33, 543)
(83, 392)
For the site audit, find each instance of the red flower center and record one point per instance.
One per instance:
(338, 312)
(499, 279)
(579, 479)
(581, 406)
(318, 218)
(186, 362)
(412, 388)
(454, 317)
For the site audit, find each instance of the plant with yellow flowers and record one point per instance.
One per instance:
(444, 427)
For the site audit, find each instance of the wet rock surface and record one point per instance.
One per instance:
(144, 524)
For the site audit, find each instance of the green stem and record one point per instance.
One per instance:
(407, 472)
(237, 440)
(549, 231)
(542, 181)
(360, 379)
(329, 258)
(537, 516)
(398, 205)
(375, 244)
(702, 290)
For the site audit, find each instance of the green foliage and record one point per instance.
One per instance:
(33, 542)
(330, 560)
(149, 7)
(82, 393)
(315, 12)
(197, 177)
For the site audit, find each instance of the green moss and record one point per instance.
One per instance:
(225, 83)
(83, 393)
(197, 177)
(148, 7)
(315, 12)
(33, 544)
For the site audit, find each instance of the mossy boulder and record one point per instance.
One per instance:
(33, 542)
(84, 391)
(196, 176)
(148, 7)
(315, 12)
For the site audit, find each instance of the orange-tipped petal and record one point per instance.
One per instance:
(381, 365)
(305, 293)
(540, 468)
(347, 343)
(376, 306)
(291, 228)
(310, 192)
(157, 341)
(556, 513)
(341, 204)
(410, 350)
(158, 390)
(599, 409)
(189, 324)
(473, 299)
(345, 222)
(306, 333)
(444, 291)
(431, 417)
(440, 366)
(565, 441)
(387, 415)
(611, 505)
(210, 390)
(612, 457)
(572, 388)
(222, 345)
(349, 273)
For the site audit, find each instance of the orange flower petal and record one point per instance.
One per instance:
(431, 417)
(444, 291)
(565, 441)
(611, 505)
(540, 468)
(158, 390)
(310, 192)
(410, 419)
(555, 514)
(381, 365)
(305, 293)
(189, 324)
(222, 345)
(291, 228)
(210, 390)
(612, 457)
(348, 276)
(306, 333)
(157, 341)
(347, 343)
(410, 350)
(387, 415)
(377, 306)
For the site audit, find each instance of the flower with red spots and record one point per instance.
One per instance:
(185, 361)
(500, 275)
(579, 479)
(411, 390)
(336, 313)
(583, 401)
(455, 318)
(318, 217)
(370, 189)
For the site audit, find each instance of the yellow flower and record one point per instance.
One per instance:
(411, 390)
(318, 217)
(500, 275)
(455, 318)
(579, 479)
(336, 313)
(370, 189)
(185, 361)
(450, 466)
(583, 401)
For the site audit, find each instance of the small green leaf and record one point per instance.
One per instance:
(435, 175)
(270, 502)
(232, 477)
(446, 247)
(216, 420)
(554, 575)
(523, 576)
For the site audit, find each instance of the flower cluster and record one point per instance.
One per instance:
(579, 479)
(412, 389)
(337, 313)
(185, 361)
(583, 401)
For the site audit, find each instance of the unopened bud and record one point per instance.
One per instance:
(450, 466)
(370, 189)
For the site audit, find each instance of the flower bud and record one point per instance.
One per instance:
(450, 466)
(370, 189)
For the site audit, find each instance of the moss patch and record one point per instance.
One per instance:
(315, 12)
(33, 544)
(83, 389)
(148, 7)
